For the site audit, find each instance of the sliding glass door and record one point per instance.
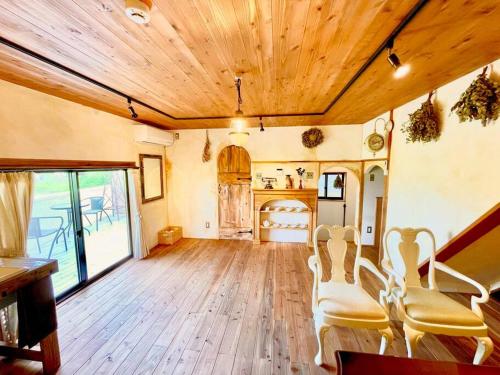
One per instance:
(51, 232)
(103, 198)
(80, 219)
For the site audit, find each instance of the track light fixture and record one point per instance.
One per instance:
(400, 70)
(261, 124)
(131, 109)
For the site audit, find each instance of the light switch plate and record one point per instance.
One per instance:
(368, 229)
(309, 175)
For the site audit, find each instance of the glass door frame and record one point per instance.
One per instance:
(74, 187)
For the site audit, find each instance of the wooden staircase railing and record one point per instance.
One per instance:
(484, 224)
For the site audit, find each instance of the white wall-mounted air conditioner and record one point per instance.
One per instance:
(148, 134)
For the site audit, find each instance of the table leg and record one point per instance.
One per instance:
(51, 357)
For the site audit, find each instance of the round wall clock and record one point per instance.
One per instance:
(375, 142)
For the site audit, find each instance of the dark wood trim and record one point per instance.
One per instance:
(385, 201)
(141, 167)
(484, 224)
(48, 164)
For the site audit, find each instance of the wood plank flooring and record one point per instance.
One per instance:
(217, 307)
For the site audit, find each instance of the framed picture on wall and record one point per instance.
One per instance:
(151, 167)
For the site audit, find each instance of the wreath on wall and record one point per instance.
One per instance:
(423, 125)
(481, 100)
(312, 138)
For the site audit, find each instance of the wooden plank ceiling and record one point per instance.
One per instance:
(294, 56)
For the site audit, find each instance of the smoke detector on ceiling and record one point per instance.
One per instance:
(138, 11)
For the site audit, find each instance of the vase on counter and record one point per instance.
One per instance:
(289, 182)
(300, 184)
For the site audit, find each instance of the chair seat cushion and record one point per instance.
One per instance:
(348, 301)
(431, 306)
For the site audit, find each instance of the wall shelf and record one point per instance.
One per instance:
(307, 198)
(273, 228)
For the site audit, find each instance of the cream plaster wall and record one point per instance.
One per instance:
(39, 126)
(443, 185)
(192, 184)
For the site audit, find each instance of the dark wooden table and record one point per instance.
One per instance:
(352, 363)
(32, 288)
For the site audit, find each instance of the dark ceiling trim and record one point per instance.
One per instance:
(379, 50)
(83, 77)
(363, 68)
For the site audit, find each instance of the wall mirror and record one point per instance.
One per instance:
(151, 177)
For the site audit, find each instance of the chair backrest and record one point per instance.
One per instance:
(34, 229)
(408, 252)
(337, 249)
(96, 203)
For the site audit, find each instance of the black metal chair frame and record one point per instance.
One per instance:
(36, 232)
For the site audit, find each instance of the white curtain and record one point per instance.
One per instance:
(16, 196)
(16, 199)
(139, 244)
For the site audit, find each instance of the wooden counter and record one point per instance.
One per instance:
(307, 196)
(29, 287)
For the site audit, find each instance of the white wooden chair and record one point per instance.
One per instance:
(338, 303)
(426, 309)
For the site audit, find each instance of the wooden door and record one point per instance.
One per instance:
(378, 222)
(234, 178)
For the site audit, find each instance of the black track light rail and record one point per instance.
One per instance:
(387, 42)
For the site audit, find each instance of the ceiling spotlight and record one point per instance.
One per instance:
(400, 70)
(261, 124)
(131, 109)
(138, 11)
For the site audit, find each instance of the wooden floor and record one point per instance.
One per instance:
(216, 307)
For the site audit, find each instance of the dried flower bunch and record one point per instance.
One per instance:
(300, 171)
(338, 183)
(207, 154)
(480, 101)
(423, 125)
(312, 138)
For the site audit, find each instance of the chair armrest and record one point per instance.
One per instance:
(393, 275)
(475, 301)
(363, 262)
(314, 265)
(384, 295)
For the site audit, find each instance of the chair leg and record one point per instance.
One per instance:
(88, 220)
(484, 349)
(52, 246)
(387, 337)
(38, 245)
(105, 213)
(412, 338)
(65, 243)
(321, 330)
(97, 222)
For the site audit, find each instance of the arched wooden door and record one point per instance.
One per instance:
(234, 178)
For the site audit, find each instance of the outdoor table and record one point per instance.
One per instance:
(69, 214)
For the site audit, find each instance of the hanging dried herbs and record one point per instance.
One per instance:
(423, 125)
(206, 150)
(480, 101)
(338, 183)
(312, 138)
